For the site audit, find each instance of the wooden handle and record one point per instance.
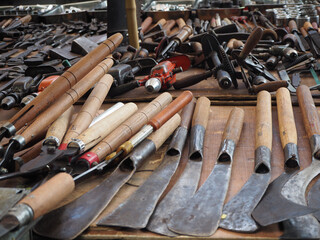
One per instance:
(183, 99)
(184, 33)
(30, 153)
(160, 23)
(287, 126)
(307, 26)
(169, 25)
(234, 125)
(230, 43)
(90, 108)
(187, 113)
(146, 24)
(227, 20)
(191, 79)
(59, 127)
(263, 121)
(25, 19)
(213, 22)
(251, 42)
(180, 22)
(237, 44)
(269, 86)
(7, 23)
(101, 129)
(160, 136)
(66, 100)
(131, 126)
(309, 111)
(201, 112)
(303, 32)
(46, 197)
(292, 26)
(132, 23)
(67, 80)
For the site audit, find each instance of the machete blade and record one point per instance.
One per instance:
(314, 199)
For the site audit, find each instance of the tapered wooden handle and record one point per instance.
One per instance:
(90, 108)
(30, 153)
(251, 42)
(46, 197)
(59, 127)
(234, 125)
(307, 26)
(160, 23)
(180, 22)
(146, 24)
(160, 136)
(237, 44)
(309, 111)
(101, 129)
(263, 120)
(213, 22)
(7, 23)
(269, 86)
(184, 98)
(292, 26)
(201, 112)
(184, 33)
(187, 113)
(287, 126)
(25, 19)
(303, 32)
(169, 25)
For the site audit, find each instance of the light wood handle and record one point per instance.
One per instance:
(7, 23)
(237, 44)
(307, 26)
(287, 126)
(101, 129)
(160, 136)
(213, 22)
(303, 32)
(169, 25)
(46, 197)
(30, 153)
(251, 42)
(59, 127)
(234, 125)
(174, 107)
(90, 108)
(25, 19)
(230, 43)
(201, 112)
(187, 113)
(69, 78)
(180, 22)
(146, 24)
(263, 121)
(131, 126)
(292, 26)
(309, 111)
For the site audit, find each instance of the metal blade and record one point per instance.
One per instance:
(314, 199)
(9, 197)
(315, 37)
(7, 225)
(179, 195)
(274, 207)
(202, 213)
(299, 41)
(236, 214)
(304, 227)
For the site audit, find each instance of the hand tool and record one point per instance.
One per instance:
(285, 77)
(78, 214)
(279, 50)
(156, 27)
(18, 22)
(137, 209)
(294, 29)
(131, 16)
(201, 214)
(187, 184)
(192, 79)
(60, 86)
(9, 197)
(5, 56)
(236, 214)
(146, 24)
(295, 188)
(273, 207)
(313, 34)
(313, 199)
(64, 102)
(313, 48)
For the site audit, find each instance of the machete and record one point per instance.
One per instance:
(137, 209)
(236, 214)
(201, 214)
(274, 207)
(304, 227)
(187, 184)
(72, 219)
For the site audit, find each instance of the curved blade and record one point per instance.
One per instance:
(314, 198)
(236, 214)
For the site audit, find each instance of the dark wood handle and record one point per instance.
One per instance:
(234, 125)
(186, 114)
(287, 126)
(309, 111)
(251, 42)
(263, 121)
(270, 86)
(46, 197)
(201, 112)
(183, 99)
(292, 26)
(191, 80)
(146, 24)
(307, 26)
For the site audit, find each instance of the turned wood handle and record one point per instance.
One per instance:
(69, 78)
(303, 32)
(101, 129)
(263, 121)
(184, 33)
(186, 114)
(201, 112)
(180, 22)
(59, 127)
(25, 19)
(146, 24)
(160, 136)
(287, 126)
(90, 108)
(175, 106)
(46, 197)
(234, 125)
(169, 25)
(251, 42)
(269, 86)
(309, 111)
(293, 26)
(307, 26)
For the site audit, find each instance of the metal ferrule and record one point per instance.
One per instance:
(19, 141)
(77, 143)
(226, 151)
(315, 146)
(224, 79)
(196, 142)
(145, 131)
(153, 85)
(178, 141)
(10, 129)
(138, 155)
(262, 160)
(52, 141)
(291, 157)
(21, 213)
